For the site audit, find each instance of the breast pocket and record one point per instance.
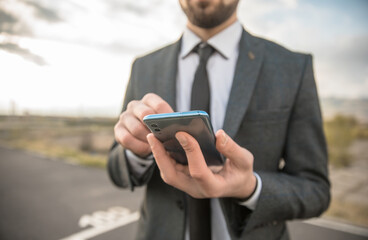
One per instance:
(263, 134)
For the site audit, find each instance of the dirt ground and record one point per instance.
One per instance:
(349, 187)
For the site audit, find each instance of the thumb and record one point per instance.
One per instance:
(196, 162)
(230, 149)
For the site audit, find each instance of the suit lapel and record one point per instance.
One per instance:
(166, 71)
(245, 78)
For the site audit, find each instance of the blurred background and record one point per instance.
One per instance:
(64, 66)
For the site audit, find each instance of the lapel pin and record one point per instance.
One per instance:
(251, 55)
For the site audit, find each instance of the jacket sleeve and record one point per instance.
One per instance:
(118, 166)
(301, 189)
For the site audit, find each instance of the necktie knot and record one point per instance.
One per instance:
(204, 51)
(200, 99)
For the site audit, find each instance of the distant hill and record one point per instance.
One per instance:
(352, 107)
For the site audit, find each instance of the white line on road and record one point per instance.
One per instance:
(102, 222)
(115, 217)
(320, 222)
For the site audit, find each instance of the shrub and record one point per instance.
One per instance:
(86, 144)
(340, 133)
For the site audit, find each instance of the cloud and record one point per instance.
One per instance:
(137, 7)
(11, 24)
(289, 3)
(352, 50)
(23, 52)
(342, 69)
(6, 21)
(43, 12)
(24, 18)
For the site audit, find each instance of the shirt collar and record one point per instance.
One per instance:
(225, 42)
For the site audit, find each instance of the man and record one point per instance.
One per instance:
(263, 99)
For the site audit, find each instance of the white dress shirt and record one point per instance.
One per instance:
(220, 69)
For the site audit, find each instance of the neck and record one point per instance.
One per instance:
(207, 33)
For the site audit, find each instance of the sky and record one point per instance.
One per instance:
(74, 57)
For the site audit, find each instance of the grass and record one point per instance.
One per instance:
(45, 135)
(340, 132)
(62, 153)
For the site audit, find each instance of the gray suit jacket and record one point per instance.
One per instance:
(273, 111)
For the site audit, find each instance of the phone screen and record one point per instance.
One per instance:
(196, 123)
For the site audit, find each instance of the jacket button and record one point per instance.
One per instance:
(180, 204)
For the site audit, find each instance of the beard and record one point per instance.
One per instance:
(206, 15)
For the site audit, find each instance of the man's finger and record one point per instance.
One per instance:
(141, 110)
(168, 167)
(231, 149)
(157, 103)
(135, 127)
(196, 163)
(163, 160)
(128, 141)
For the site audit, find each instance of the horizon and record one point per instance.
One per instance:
(330, 107)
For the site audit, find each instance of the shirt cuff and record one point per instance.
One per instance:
(138, 165)
(251, 203)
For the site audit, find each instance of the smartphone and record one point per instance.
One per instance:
(196, 123)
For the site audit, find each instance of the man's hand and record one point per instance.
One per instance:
(130, 130)
(235, 179)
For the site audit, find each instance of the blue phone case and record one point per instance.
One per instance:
(196, 123)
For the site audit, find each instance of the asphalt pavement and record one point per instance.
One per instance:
(43, 198)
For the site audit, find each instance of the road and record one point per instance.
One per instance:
(41, 198)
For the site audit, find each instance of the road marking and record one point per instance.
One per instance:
(320, 222)
(103, 221)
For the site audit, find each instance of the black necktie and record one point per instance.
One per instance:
(199, 210)
(200, 99)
